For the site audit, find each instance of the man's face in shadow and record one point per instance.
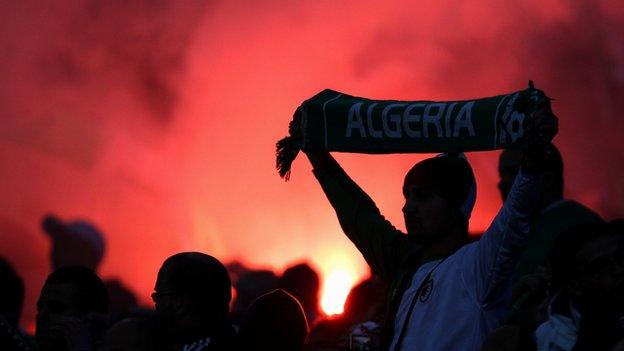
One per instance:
(428, 216)
(599, 278)
(55, 302)
(169, 301)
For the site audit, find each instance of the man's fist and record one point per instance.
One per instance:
(544, 127)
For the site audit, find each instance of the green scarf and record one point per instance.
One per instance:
(335, 121)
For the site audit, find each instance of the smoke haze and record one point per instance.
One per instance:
(158, 119)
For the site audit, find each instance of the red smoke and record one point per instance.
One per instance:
(158, 120)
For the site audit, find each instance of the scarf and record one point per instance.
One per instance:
(335, 121)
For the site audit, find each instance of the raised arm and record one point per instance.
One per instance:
(492, 260)
(382, 245)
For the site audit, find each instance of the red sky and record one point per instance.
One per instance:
(158, 119)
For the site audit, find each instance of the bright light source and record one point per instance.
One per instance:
(336, 287)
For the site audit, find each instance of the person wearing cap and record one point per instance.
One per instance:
(80, 243)
(74, 243)
(444, 294)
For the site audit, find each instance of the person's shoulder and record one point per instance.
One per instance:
(568, 205)
(569, 210)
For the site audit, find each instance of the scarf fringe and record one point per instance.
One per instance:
(288, 148)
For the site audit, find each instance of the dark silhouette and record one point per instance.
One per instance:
(617, 225)
(275, 321)
(11, 300)
(555, 216)
(81, 243)
(192, 297)
(136, 334)
(249, 286)
(75, 243)
(587, 307)
(71, 310)
(122, 300)
(11, 294)
(443, 294)
(302, 282)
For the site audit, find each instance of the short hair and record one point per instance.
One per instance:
(202, 277)
(91, 289)
(274, 321)
(568, 244)
(11, 293)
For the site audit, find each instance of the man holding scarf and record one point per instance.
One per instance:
(444, 295)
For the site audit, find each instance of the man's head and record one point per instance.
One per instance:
(509, 165)
(11, 293)
(439, 195)
(73, 292)
(302, 282)
(251, 285)
(275, 321)
(193, 291)
(75, 243)
(587, 262)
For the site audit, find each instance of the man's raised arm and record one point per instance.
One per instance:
(492, 261)
(382, 245)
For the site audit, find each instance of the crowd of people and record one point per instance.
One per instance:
(548, 274)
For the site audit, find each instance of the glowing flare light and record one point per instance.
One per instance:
(337, 285)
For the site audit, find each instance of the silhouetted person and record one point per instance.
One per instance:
(135, 334)
(75, 243)
(249, 286)
(442, 295)
(554, 217)
(587, 308)
(11, 294)
(80, 243)
(71, 310)
(275, 321)
(192, 297)
(122, 300)
(11, 299)
(302, 282)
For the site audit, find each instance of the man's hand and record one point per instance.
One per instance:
(545, 127)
